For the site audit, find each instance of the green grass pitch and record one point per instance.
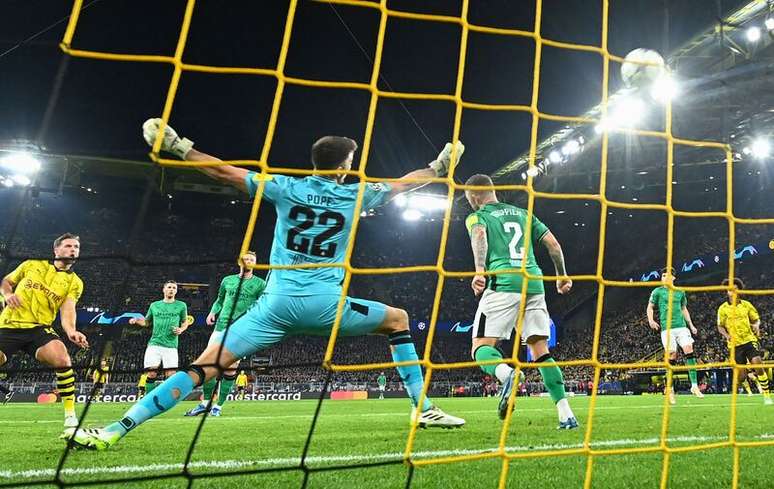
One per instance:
(271, 435)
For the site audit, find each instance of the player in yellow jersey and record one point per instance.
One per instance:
(33, 293)
(241, 383)
(100, 379)
(740, 324)
(141, 385)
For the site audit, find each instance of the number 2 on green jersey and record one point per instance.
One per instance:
(517, 254)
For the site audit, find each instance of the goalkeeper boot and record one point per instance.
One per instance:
(569, 424)
(435, 418)
(215, 411)
(94, 438)
(696, 391)
(196, 411)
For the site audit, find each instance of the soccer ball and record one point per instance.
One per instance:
(636, 75)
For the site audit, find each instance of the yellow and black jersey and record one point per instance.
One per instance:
(737, 320)
(42, 289)
(99, 376)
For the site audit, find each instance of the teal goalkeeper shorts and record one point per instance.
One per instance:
(276, 316)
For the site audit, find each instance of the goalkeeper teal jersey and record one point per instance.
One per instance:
(164, 317)
(314, 221)
(505, 225)
(227, 306)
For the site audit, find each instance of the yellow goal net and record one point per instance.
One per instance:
(587, 450)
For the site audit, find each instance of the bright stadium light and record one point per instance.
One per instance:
(555, 156)
(401, 200)
(760, 148)
(769, 23)
(22, 180)
(571, 147)
(23, 163)
(753, 33)
(533, 171)
(664, 88)
(628, 112)
(412, 215)
(427, 202)
(8, 182)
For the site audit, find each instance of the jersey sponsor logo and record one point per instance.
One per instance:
(29, 284)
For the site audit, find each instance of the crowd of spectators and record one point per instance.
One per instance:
(197, 249)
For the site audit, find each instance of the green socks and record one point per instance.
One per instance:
(552, 378)
(226, 383)
(486, 352)
(208, 388)
(690, 359)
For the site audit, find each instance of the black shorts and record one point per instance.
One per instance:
(240, 388)
(746, 352)
(25, 339)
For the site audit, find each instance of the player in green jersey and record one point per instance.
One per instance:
(497, 237)
(679, 323)
(169, 319)
(227, 308)
(382, 382)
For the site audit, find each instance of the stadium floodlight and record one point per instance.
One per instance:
(20, 162)
(761, 148)
(628, 112)
(753, 33)
(571, 147)
(664, 88)
(412, 215)
(533, 171)
(401, 200)
(769, 23)
(523, 175)
(555, 157)
(8, 182)
(22, 180)
(427, 202)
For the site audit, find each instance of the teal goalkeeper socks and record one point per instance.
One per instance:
(164, 397)
(403, 351)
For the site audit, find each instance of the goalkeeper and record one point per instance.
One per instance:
(314, 226)
(740, 324)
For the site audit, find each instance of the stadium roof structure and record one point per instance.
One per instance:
(724, 96)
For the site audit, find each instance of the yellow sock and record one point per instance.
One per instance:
(763, 383)
(65, 384)
(746, 386)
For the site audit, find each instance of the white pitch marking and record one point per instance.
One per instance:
(295, 461)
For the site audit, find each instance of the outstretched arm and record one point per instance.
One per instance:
(687, 317)
(437, 168)
(183, 149)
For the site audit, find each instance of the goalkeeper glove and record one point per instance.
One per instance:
(172, 143)
(444, 161)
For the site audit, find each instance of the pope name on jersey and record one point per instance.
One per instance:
(505, 226)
